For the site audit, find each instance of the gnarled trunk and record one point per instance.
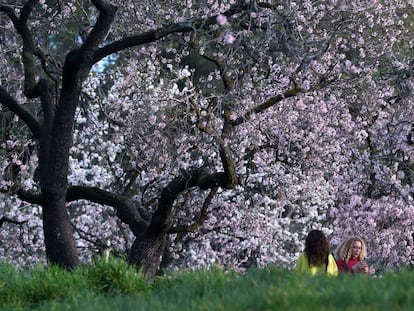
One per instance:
(146, 252)
(59, 241)
(148, 248)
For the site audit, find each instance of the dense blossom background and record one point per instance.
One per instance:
(337, 156)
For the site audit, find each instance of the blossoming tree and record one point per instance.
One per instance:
(199, 133)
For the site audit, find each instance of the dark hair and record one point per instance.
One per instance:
(317, 248)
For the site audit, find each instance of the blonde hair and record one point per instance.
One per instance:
(344, 250)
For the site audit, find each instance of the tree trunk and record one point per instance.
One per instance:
(146, 253)
(59, 239)
(148, 248)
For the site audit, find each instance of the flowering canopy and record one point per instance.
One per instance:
(309, 102)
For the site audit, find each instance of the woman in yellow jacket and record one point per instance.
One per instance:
(317, 257)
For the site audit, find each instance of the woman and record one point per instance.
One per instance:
(350, 256)
(317, 258)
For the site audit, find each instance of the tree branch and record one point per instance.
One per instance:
(9, 102)
(267, 104)
(157, 34)
(200, 220)
(162, 219)
(30, 196)
(100, 29)
(78, 62)
(12, 221)
(31, 88)
(127, 211)
(147, 37)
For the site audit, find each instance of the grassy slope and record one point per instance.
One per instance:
(114, 287)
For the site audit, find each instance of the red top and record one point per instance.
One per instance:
(346, 266)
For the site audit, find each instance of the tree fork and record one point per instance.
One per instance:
(147, 250)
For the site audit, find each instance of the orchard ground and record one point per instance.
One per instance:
(113, 286)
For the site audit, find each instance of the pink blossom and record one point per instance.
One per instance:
(229, 39)
(221, 19)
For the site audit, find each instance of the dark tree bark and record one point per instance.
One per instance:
(148, 247)
(150, 235)
(59, 241)
(55, 136)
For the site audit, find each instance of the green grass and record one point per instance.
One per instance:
(114, 286)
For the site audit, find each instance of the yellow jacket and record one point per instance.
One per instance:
(302, 265)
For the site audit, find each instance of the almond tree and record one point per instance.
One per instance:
(58, 96)
(271, 122)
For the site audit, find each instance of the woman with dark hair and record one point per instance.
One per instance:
(317, 257)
